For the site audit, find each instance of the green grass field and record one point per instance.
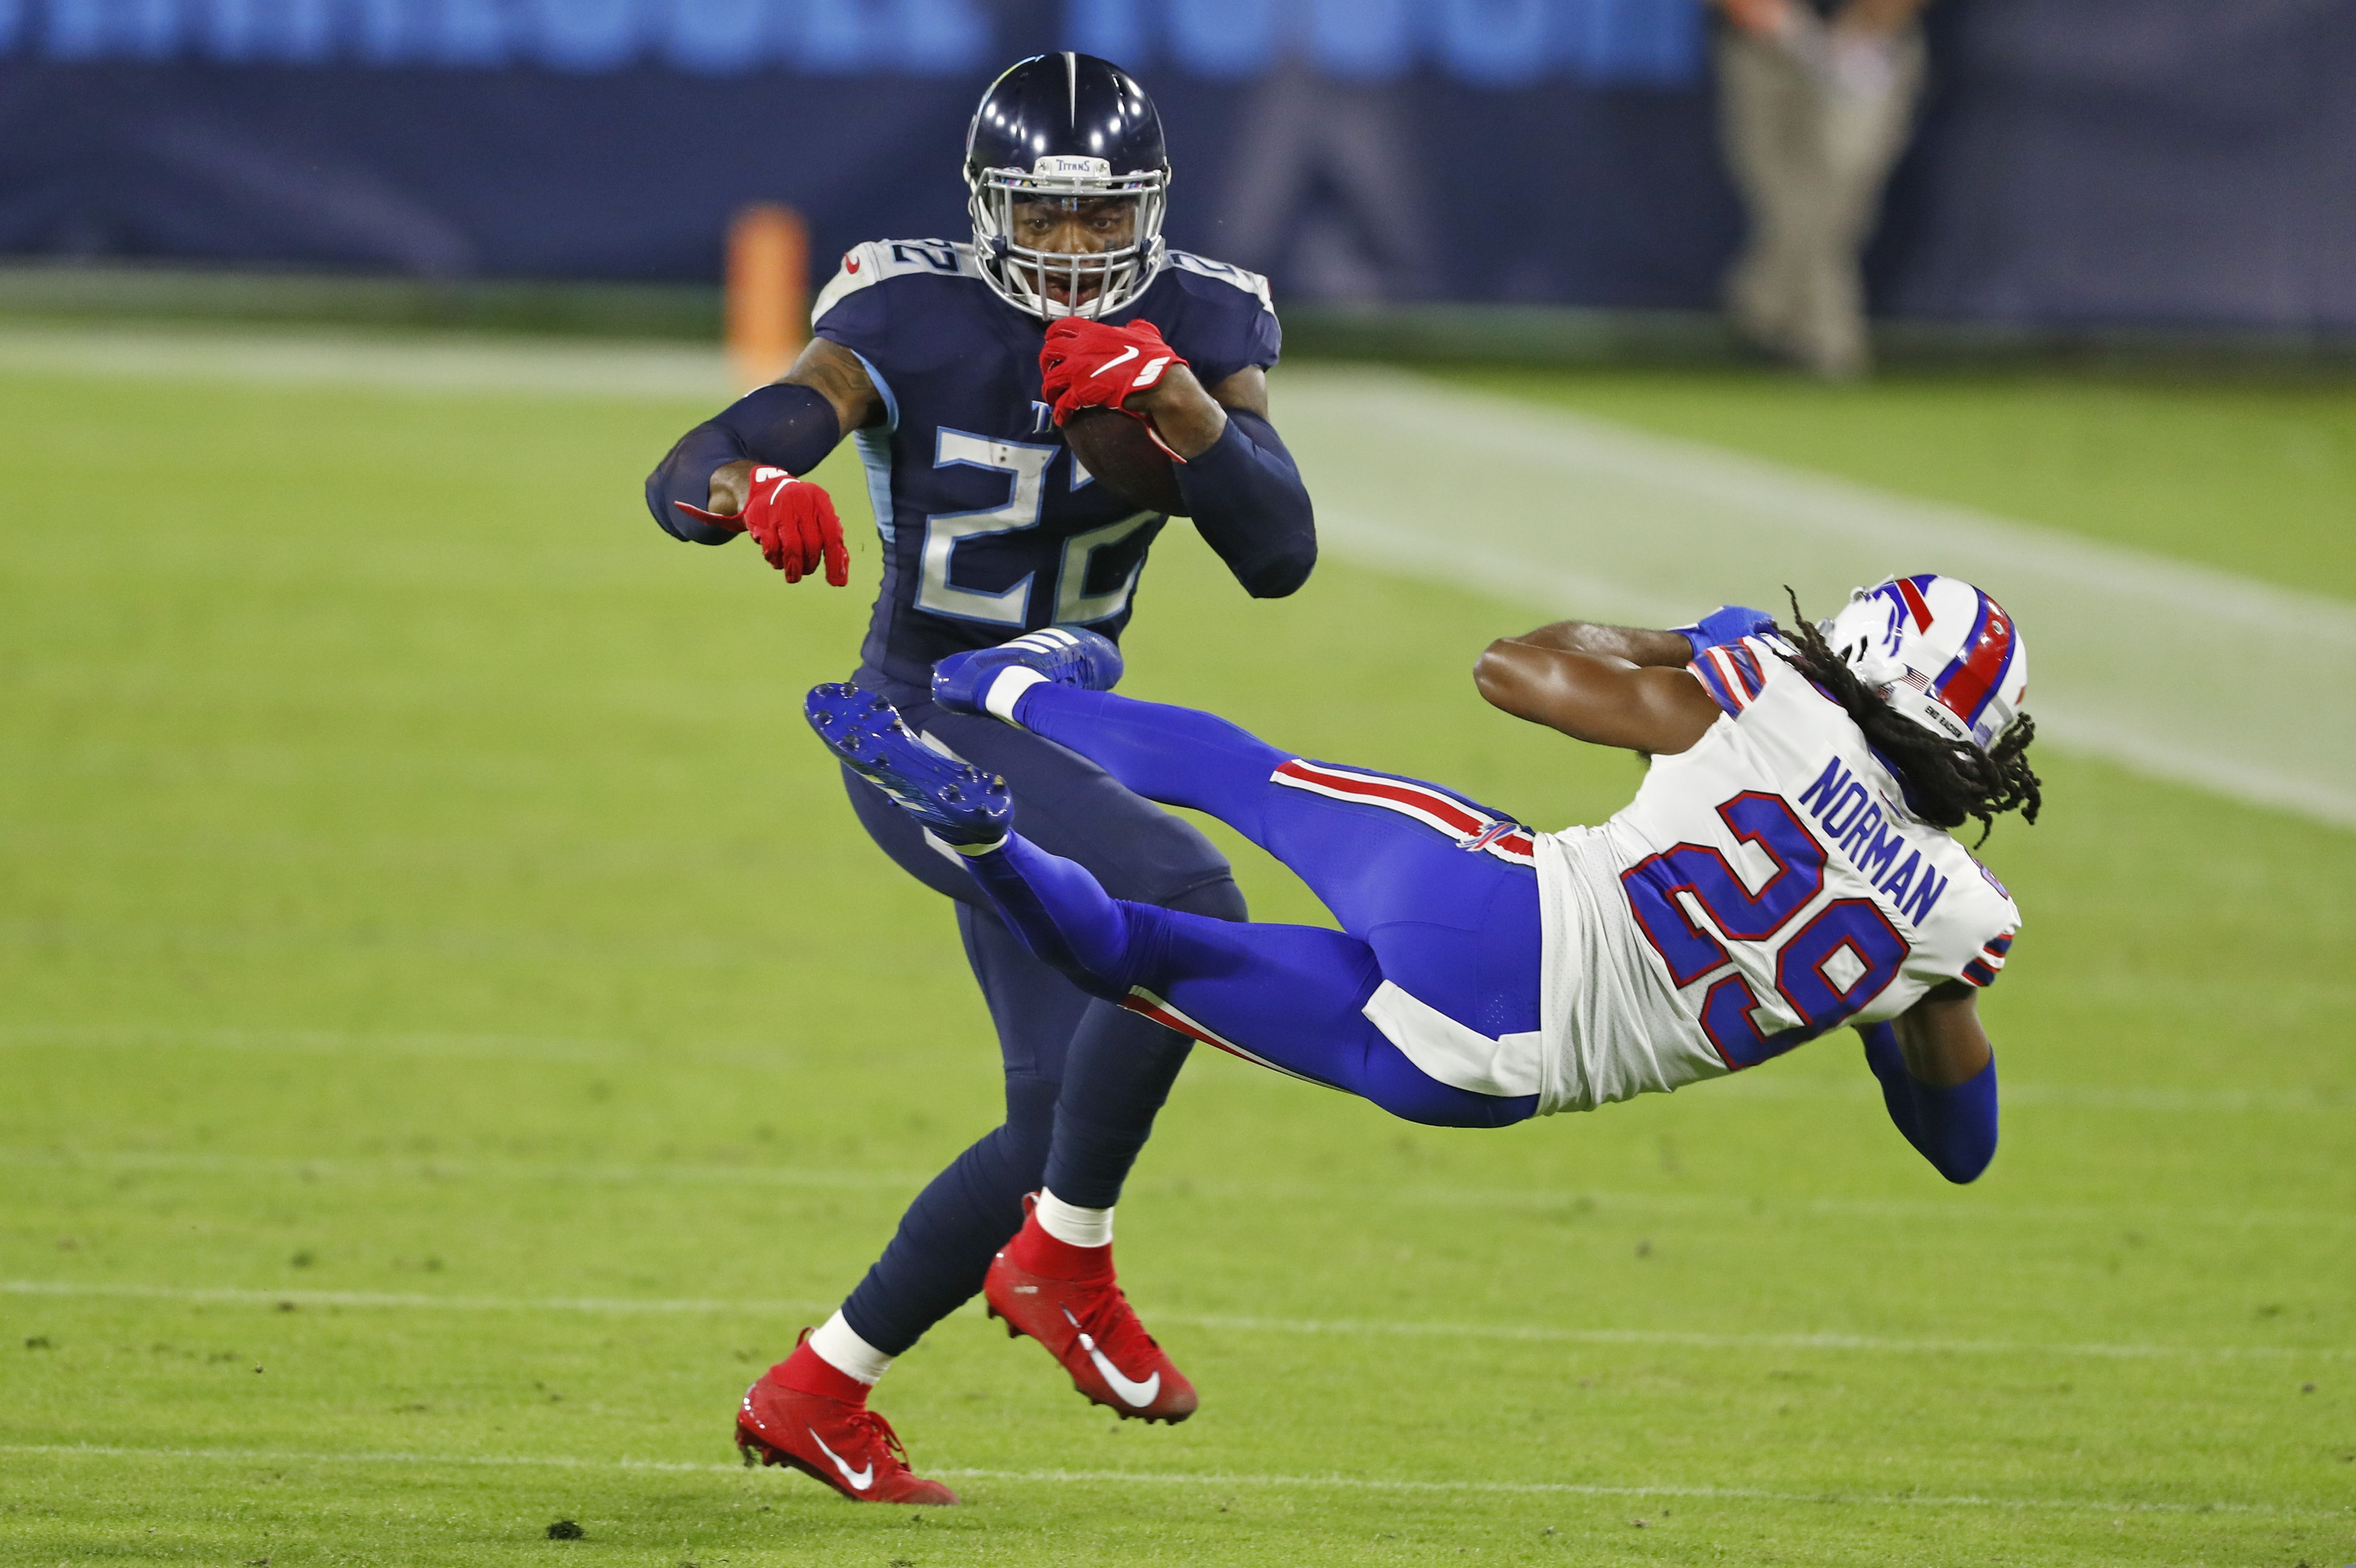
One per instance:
(453, 1035)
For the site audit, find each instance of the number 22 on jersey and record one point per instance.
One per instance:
(1026, 466)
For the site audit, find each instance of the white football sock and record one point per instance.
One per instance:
(1073, 1225)
(840, 1348)
(1006, 687)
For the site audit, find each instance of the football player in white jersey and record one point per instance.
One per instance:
(1787, 866)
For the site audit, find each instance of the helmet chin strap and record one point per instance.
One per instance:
(1928, 712)
(1887, 678)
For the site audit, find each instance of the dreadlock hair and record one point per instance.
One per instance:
(1946, 781)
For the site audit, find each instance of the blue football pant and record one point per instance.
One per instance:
(1457, 927)
(1083, 1078)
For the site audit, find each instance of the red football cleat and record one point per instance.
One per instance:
(1064, 1296)
(825, 1434)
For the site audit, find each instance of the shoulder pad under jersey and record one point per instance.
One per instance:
(881, 261)
(1250, 282)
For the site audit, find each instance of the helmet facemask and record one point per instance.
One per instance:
(1092, 283)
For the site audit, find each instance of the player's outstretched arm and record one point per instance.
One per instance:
(1635, 645)
(1938, 1079)
(1606, 697)
(792, 425)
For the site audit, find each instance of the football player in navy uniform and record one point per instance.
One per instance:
(953, 368)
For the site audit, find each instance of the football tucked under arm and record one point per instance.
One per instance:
(1231, 473)
(1118, 450)
(1243, 492)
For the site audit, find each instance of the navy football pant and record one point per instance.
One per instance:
(1444, 919)
(1083, 1078)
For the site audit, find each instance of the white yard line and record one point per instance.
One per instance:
(424, 362)
(2132, 1098)
(405, 1301)
(2175, 670)
(1833, 1344)
(1577, 1489)
(2138, 658)
(431, 1171)
(141, 1037)
(438, 1171)
(428, 1170)
(763, 1056)
(1830, 1498)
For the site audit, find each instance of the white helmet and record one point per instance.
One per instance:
(1939, 651)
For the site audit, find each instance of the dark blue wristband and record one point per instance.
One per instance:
(789, 426)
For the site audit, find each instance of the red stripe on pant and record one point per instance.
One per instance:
(1413, 799)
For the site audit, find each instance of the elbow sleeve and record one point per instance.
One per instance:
(1250, 506)
(790, 427)
(1955, 1127)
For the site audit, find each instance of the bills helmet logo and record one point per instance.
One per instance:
(1939, 650)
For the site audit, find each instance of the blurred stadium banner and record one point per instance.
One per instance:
(1496, 42)
(2151, 161)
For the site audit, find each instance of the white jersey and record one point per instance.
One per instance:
(1764, 887)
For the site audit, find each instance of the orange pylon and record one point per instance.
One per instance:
(768, 292)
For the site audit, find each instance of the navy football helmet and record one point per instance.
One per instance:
(1070, 128)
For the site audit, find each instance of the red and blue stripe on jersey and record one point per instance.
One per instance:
(1732, 674)
(1982, 970)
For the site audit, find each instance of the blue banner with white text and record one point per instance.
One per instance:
(2082, 161)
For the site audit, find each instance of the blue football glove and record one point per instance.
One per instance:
(1727, 623)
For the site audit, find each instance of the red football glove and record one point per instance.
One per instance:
(793, 523)
(1088, 365)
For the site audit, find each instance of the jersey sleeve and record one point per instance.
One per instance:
(884, 296)
(852, 309)
(1734, 673)
(1227, 322)
(1969, 935)
(1982, 968)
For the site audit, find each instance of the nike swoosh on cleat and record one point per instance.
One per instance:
(1127, 353)
(1136, 1394)
(860, 1480)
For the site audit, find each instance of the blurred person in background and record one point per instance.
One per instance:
(1817, 100)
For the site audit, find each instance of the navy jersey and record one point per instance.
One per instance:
(990, 526)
